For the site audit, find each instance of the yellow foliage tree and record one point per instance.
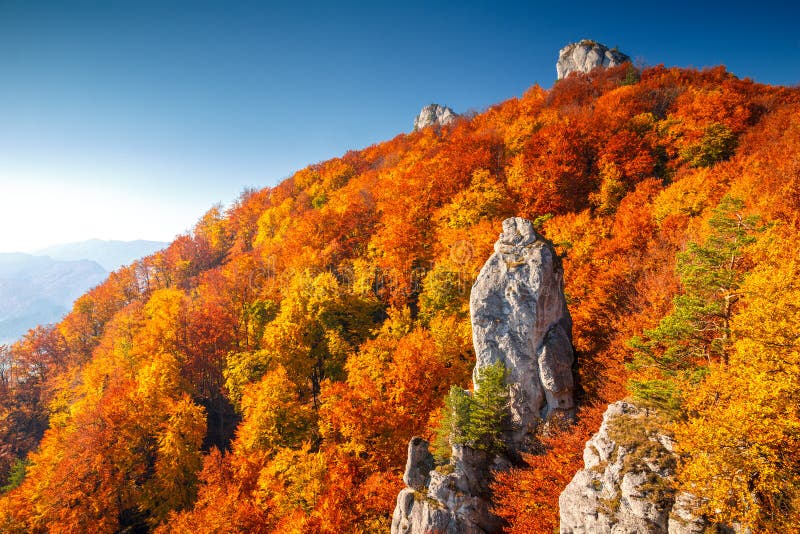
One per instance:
(178, 460)
(273, 415)
(293, 481)
(741, 441)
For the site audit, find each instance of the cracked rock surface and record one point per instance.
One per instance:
(586, 55)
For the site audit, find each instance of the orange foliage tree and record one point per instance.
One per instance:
(266, 371)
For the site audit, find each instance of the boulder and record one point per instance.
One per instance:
(624, 486)
(454, 500)
(418, 465)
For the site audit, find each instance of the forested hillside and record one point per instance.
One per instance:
(265, 372)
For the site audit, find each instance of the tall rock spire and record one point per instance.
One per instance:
(520, 318)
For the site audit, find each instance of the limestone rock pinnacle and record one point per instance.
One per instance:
(586, 55)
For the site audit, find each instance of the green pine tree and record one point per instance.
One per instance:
(489, 412)
(697, 331)
(453, 423)
(476, 420)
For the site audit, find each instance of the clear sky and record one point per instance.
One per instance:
(129, 119)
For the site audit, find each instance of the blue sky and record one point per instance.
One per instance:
(126, 120)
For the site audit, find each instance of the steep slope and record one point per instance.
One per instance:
(266, 372)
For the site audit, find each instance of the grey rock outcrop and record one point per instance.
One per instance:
(419, 464)
(454, 500)
(434, 115)
(586, 55)
(625, 485)
(519, 317)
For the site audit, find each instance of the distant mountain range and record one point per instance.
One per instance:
(110, 254)
(40, 288)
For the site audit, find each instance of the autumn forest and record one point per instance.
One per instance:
(265, 372)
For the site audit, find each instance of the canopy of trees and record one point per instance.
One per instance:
(265, 372)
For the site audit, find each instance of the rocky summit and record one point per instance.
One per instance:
(519, 317)
(434, 115)
(585, 56)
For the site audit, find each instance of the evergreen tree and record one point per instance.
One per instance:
(697, 331)
(489, 411)
(476, 420)
(452, 425)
